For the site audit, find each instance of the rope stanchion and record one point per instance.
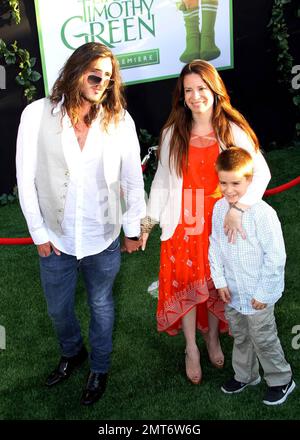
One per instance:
(269, 192)
(151, 150)
(14, 241)
(283, 187)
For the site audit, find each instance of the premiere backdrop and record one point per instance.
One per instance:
(147, 36)
(252, 83)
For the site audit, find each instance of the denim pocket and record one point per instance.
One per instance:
(51, 253)
(113, 246)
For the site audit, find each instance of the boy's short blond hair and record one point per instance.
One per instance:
(235, 159)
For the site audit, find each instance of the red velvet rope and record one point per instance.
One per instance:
(283, 187)
(5, 241)
(269, 192)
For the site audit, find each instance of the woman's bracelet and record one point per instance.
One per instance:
(147, 224)
(237, 208)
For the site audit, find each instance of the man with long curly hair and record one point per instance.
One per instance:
(77, 155)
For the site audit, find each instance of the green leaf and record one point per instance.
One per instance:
(10, 198)
(10, 58)
(20, 80)
(296, 100)
(30, 92)
(34, 76)
(21, 53)
(15, 46)
(32, 61)
(15, 191)
(3, 199)
(2, 45)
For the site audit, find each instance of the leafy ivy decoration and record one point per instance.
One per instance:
(15, 10)
(8, 199)
(284, 59)
(9, 11)
(14, 55)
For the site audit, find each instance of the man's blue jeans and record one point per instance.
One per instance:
(59, 278)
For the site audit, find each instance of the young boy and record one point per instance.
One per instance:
(249, 276)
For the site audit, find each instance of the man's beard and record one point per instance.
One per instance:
(92, 101)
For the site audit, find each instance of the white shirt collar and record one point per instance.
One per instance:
(58, 106)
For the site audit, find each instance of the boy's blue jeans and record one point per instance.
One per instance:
(59, 278)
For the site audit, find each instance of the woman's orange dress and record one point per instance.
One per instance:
(184, 277)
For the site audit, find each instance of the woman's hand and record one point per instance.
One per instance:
(233, 225)
(145, 236)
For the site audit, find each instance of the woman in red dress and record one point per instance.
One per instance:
(182, 197)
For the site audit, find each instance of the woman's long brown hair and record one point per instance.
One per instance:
(68, 86)
(180, 118)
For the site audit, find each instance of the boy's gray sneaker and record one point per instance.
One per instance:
(279, 394)
(234, 386)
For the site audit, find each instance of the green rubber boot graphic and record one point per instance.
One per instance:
(191, 21)
(208, 48)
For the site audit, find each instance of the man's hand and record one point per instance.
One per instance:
(224, 294)
(131, 245)
(45, 249)
(257, 305)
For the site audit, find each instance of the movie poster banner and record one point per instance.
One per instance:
(152, 39)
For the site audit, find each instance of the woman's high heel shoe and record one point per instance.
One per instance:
(217, 360)
(194, 377)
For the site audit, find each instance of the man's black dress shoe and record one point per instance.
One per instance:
(94, 388)
(65, 367)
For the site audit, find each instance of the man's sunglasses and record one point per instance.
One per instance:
(95, 80)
